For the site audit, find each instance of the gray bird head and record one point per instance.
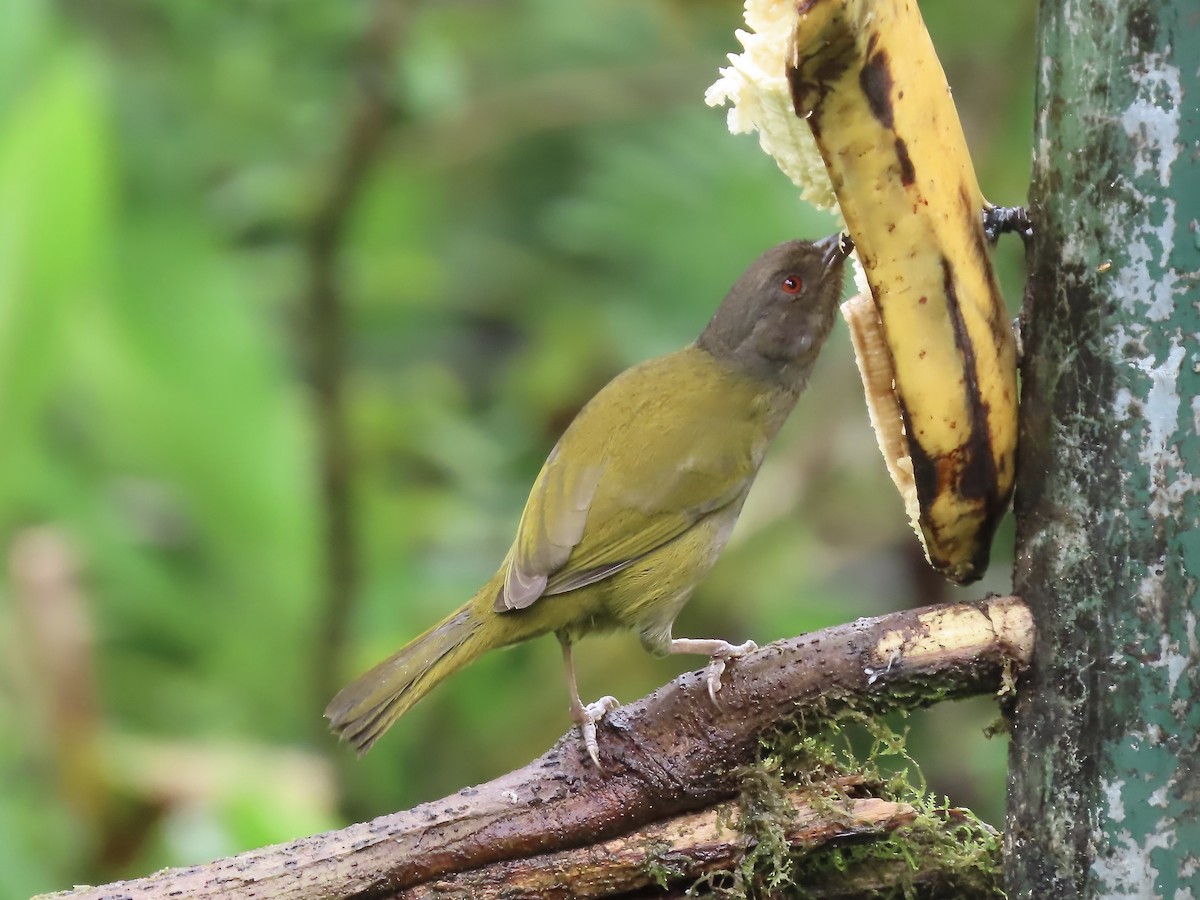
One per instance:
(775, 318)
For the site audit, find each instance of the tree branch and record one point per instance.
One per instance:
(681, 849)
(671, 752)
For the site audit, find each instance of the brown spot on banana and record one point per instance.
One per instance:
(840, 55)
(978, 477)
(875, 79)
(908, 172)
(864, 75)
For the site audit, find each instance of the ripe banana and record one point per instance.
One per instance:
(930, 331)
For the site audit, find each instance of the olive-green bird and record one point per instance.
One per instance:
(637, 499)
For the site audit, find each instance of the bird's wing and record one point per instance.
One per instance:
(655, 466)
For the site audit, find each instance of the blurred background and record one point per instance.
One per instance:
(295, 296)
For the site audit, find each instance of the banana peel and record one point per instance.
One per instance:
(930, 331)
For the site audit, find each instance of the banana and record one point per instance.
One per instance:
(930, 331)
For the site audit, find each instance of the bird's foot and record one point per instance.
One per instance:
(586, 718)
(716, 665)
(998, 220)
(719, 651)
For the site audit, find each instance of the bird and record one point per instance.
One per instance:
(637, 499)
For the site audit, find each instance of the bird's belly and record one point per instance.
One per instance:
(656, 587)
(649, 594)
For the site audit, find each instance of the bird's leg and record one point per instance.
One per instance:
(719, 651)
(587, 716)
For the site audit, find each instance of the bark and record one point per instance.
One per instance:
(682, 849)
(670, 753)
(1104, 797)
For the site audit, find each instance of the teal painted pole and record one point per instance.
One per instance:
(1104, 790)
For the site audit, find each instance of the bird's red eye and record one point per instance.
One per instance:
(792, 285)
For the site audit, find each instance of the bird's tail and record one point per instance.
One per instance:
(367, 707)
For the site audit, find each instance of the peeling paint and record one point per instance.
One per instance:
(1112, 795)
(1172, 489)
(1127, 871)
(1147, 286)
(1161, 409)
(1172, 660)
(1121, 405)
(1187, 872)
(1170, 481)
(1153, 117)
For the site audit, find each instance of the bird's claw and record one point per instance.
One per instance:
(587, 717)
(716, 665)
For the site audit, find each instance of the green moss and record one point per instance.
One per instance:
(869, 755)
(664, 865)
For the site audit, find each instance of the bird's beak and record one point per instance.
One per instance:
(834, 249)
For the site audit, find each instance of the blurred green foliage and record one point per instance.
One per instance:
(552, 202)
